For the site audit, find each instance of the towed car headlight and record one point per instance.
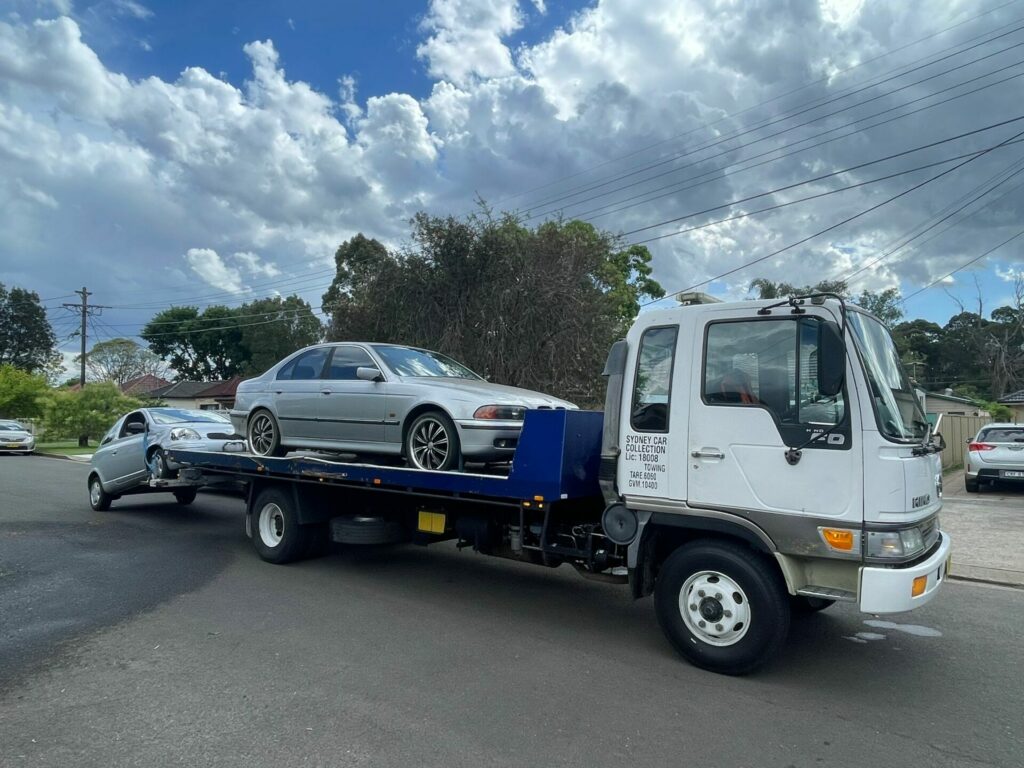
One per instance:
(501, 412)
(184, 433)
(906, 543)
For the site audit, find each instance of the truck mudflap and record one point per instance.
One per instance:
(894, 590)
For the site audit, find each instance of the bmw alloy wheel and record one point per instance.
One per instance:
(430, 443)
(262, 434)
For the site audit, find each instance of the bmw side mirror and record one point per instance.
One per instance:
(367, 373)
(831, 359)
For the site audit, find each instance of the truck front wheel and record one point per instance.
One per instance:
(723, 606)
(276, 533)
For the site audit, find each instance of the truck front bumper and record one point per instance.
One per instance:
(891, 590)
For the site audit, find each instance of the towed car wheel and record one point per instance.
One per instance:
(98, 498)
(432, 442)
(264, 436)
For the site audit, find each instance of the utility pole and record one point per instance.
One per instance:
(87, 310)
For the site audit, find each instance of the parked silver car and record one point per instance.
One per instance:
(383, 399)
(15, 438)
(995, 454)
(132, 451)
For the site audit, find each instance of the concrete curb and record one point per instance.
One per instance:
(80, 459)
(987, 575)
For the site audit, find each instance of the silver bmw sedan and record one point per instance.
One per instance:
(383, 399)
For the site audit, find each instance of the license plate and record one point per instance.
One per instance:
(12, 445)
(1011, 473)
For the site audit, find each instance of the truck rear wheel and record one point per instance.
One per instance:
(723, 606)
(276, 533)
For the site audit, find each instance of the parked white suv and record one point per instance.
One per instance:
(995, 454)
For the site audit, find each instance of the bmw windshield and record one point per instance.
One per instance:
(896, 405)
(407, 361)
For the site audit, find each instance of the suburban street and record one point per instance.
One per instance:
(152, 635)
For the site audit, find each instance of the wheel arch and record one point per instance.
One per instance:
(418, 410)
(664, 533)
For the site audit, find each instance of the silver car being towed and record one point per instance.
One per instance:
(132, 451)
(383, 399)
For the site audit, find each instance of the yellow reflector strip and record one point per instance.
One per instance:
(919, 584)
(431, 522)
(838, 538)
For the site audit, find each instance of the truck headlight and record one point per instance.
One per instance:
(905, 543)
(184, 433)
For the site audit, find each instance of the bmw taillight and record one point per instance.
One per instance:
(980, 447)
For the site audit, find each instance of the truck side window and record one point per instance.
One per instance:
(771, 364)
(653, 385)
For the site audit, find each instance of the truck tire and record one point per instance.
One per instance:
(99, 499)
(185, 496)
(723, 606)
(276, 533)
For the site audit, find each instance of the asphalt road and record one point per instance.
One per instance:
(151, 635)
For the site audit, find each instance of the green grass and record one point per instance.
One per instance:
(66, 448)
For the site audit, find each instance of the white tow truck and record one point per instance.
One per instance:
(753, 459)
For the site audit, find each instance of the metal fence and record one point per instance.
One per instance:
(957, 429)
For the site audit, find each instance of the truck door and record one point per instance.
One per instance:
(754, 394)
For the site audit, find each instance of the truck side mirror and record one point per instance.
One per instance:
(831, 359)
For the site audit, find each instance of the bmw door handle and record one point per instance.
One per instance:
(711, 453)
(325, 391)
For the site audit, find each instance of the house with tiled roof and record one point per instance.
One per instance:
(141, 386)
(1015, 402)
(200, 395)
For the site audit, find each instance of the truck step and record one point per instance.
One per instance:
(828, 593)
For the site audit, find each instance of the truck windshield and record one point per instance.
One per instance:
(896, 406)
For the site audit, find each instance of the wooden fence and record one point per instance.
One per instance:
(957, 429)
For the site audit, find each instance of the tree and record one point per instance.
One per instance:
(26, 339)
(767, 289)
(198, 345)
(120, 361)
(886, 305)
(21, 393)
(281, 326)
(536, 308)
(86, 413)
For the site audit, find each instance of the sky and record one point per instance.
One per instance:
(168, 153)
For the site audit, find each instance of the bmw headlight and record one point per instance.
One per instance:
(501, 412)
(185, 433)
(906, 543)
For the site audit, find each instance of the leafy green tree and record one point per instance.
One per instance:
(21, 393)
(767, 289)
(281, 326)
(120, 361)
(198, 345)
(885, 305)
(87, 413)
(26, 339)
(536, 308)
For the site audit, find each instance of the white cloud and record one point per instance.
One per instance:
(131, 8)
(273, 173)
(210, 267)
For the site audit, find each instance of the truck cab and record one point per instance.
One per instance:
(768, 455)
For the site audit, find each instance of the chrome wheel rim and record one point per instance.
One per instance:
(95, 491)
(430, 444)
(261, 434)
(714, 608)
(271, 525)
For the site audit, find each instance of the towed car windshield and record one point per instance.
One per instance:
(11, 426)
(406, 361)
(183, 416)
(896, 406)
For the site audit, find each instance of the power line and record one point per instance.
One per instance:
(85, 309)
(836, 225)
(723, 172)
(722, 140)
(771, 100)
(962, 266)
(230, 327)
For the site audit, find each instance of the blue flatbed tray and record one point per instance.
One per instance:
(557, 458)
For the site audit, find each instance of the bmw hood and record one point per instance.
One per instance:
(485, 393)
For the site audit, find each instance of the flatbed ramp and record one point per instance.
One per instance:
(557, 459)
